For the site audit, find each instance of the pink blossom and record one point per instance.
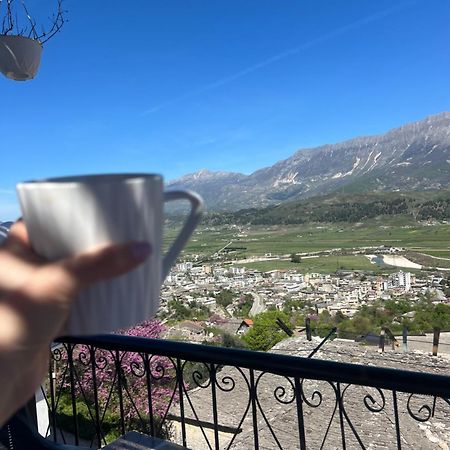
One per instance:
(124, 373)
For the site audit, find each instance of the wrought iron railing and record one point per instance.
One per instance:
(206, 397)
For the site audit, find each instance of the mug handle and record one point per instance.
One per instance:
(188, 227)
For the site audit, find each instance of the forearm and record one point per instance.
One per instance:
(22, 369)
(19, 384)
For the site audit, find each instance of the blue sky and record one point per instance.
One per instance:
(174, 86)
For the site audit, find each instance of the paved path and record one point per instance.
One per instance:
(258, 305)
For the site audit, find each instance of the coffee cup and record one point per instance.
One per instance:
(69, 215)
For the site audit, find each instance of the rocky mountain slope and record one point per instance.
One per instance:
(415, 156)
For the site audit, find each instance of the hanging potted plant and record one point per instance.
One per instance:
(21, 49)
(19, 57)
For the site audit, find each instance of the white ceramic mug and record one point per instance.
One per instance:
(65, 216)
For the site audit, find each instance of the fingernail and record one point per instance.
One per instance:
(141, 250)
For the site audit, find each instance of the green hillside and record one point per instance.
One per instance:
(343, 207)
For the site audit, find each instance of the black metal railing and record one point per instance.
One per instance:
(219, 398)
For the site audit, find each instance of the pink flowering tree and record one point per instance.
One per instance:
(135, 388)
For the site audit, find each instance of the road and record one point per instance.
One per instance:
(223, 248)
(258, 305)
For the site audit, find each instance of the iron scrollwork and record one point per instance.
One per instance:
(132, 379)
(424, 409)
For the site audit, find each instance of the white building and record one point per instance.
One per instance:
(401, 280)
(237, 270)
(184, 267)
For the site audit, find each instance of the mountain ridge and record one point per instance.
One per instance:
(414, 156)
(334, 208)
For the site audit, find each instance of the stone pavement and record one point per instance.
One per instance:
(139, 441)
(277, 410)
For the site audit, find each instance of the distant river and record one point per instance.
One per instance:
(378, 260)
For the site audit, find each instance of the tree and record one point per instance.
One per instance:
(130, 369)
(265, 332)
(339, 317)
(244, 305)
(440, 317)
(14, 14)
(224, 298)
(296, 258)
(231, 341)
(445, 285)
(194, 310)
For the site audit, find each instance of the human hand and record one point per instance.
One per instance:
(35, 300)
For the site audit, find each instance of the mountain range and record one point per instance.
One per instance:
(413, 157)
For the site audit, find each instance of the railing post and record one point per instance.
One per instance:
(433, 410)
(254, 411)
(72, 391)
(52, 377)
(149, 393)
(180, 393)
(98, 430)
(397, 422)
(341, 414)
(381, 344)
(119, 391)
(301, 423)
(405, 340)
(436, 334)
(214, 405)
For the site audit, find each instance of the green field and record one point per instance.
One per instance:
(442, 263)
(282, 240)
(438, 253)
(296, 239)
(427, 261)
(323, 264)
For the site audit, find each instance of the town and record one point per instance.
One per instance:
(224, 295)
